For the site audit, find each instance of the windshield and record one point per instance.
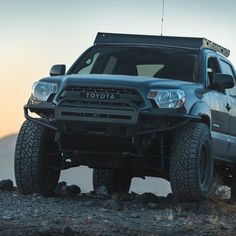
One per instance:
(169, 63)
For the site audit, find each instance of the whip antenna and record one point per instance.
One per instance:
(162, 15)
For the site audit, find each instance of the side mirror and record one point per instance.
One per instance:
(58, 70)
(222, 81)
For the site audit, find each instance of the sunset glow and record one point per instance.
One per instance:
(37, 34)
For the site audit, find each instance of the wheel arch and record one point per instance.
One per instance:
(202, 109)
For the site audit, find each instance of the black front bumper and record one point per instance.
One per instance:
(106, 122)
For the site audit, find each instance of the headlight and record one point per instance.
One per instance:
(167, 98)
(41, 91)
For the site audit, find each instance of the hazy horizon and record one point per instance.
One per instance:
(37, 34)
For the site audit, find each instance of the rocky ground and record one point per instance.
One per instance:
(71, 212)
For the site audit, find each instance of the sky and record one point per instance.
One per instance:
(35, 34)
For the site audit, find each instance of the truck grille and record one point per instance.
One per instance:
(105, 97)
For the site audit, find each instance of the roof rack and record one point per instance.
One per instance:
(181, 42)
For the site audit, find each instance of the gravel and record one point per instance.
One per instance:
(129, 214)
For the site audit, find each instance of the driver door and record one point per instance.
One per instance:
(220, 113)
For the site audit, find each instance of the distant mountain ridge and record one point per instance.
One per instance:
(7, 146)
(8, 142)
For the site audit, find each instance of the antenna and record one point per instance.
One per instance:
(162, 15)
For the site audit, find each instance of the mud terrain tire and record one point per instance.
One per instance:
(116, 181)
(35, 156)
(191, 166)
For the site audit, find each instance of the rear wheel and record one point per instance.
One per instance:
(36, 158)
(191, 166)
(114, 180)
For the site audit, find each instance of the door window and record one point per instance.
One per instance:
(212, 68)
(227, 69)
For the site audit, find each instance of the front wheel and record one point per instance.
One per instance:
(191, 166)
(36, 158)
(114, 180)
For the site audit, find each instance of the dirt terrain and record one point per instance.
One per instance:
(70, 212)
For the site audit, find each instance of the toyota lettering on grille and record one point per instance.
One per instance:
(102, 96)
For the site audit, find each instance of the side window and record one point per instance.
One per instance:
(227, 69)
(212, 68)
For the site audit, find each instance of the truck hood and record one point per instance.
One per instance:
(116, 80)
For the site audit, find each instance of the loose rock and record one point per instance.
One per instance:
(223, 225)
(102, 190)
(112, 205)
(62, 189)
(6, 185)
(146, 198)
(44, 231)
(68, 231)
(152, 205)
(87, 214)
(74, 189)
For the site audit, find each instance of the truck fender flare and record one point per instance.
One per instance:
(202, 109)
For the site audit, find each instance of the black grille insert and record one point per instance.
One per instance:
(105, 97)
